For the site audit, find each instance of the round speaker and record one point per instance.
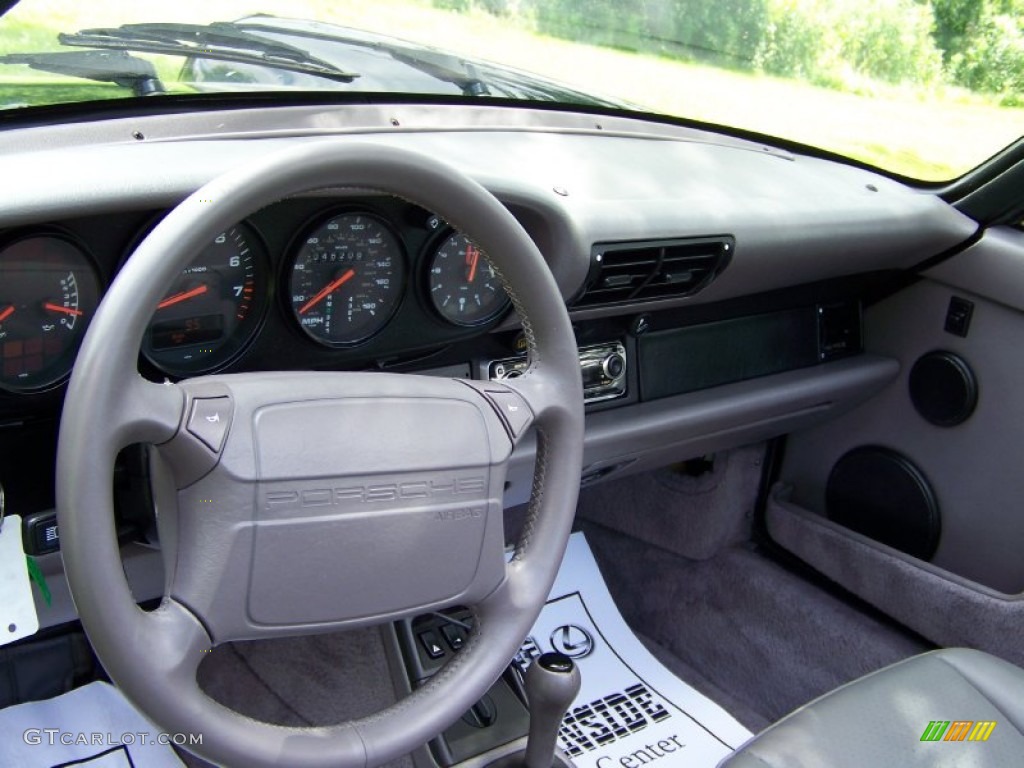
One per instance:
(879, 493)
(943, 389)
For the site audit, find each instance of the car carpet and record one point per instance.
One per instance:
(694, 508)
(302, 681)
(738, 709)
(769, 639)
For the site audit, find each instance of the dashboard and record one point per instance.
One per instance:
(714, 283)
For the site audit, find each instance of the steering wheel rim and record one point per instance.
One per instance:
(153, 656)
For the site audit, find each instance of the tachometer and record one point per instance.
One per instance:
(464, 288)
(48, 293)
(346, 280)
(213, 308)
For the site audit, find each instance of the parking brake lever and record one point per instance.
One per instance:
(552, 682)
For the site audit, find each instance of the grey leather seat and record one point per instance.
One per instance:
(880, 720)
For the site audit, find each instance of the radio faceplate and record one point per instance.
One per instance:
(602, 367)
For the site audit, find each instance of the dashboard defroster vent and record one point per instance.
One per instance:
(653, 269)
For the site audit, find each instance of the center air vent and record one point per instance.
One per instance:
(654, 269)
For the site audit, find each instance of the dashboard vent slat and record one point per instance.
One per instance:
(650, 270)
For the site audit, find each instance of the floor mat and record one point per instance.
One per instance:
(631, 710)
(93, 726)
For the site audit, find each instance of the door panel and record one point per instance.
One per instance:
(975, 469)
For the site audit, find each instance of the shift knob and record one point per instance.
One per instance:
(552, 682)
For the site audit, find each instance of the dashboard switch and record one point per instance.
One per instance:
(210, 419)
(40, 533)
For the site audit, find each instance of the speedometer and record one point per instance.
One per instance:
(346, 280)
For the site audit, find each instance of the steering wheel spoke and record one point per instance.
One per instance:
(141, 412)
(149, 412)
(177, 641)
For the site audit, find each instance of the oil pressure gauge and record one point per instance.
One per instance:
(464, 288)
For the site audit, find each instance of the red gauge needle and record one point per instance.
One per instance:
(59, 308)
(6, 313)
(472, 259)
(327, 289)
(183, 296)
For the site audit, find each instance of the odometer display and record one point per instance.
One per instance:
(346, 280)
(174, 334)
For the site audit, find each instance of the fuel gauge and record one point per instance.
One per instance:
(48, 294)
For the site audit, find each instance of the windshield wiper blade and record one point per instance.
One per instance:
(220, 41)
(446, 68)
(441, 66)
(118, 67)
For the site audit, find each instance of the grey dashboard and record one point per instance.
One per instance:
(796, 218)
(806, 238)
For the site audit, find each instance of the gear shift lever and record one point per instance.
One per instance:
(552, 682)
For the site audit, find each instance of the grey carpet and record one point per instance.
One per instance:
(765, 637)
(302, 681)
(735, 707)
(693, 516)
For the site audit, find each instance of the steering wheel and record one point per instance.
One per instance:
(299, 502)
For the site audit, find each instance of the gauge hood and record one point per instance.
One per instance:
(381, 64)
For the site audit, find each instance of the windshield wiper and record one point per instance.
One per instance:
(220, 41)
(437, 64)
(118, 67)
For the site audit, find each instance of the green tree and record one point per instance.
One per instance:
(830, 41)
(992, 58)
(955, 22)
(727, 31)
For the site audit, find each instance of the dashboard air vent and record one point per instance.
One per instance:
(655, 269)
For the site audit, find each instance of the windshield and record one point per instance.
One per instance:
(923, 88)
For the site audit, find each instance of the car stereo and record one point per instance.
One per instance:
(602, 366)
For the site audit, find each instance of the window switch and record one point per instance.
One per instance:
(431, 644)
(958, 316)
(455, 635)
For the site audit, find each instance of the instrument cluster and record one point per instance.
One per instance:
(303, 283)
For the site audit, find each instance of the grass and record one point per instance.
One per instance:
(35, 93)
(932, 134)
